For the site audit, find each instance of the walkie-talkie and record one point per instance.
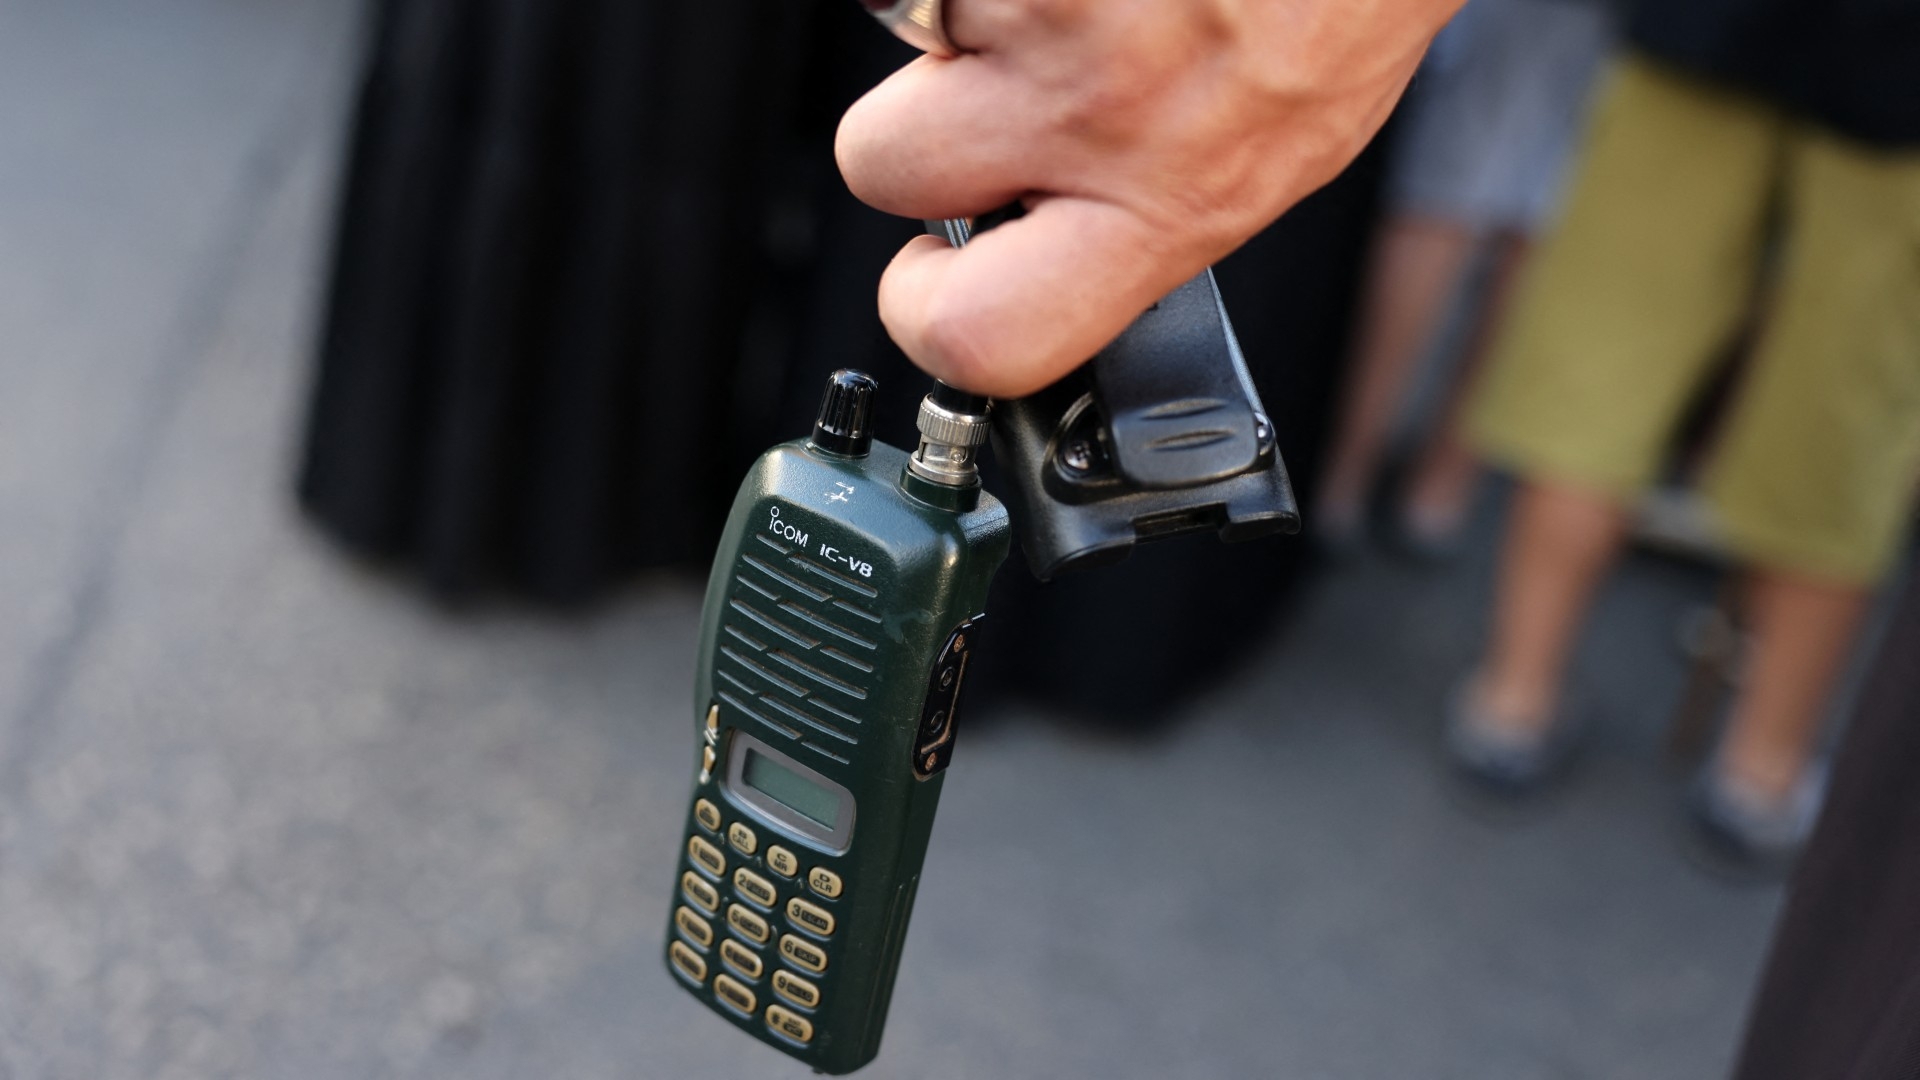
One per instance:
(845, 602)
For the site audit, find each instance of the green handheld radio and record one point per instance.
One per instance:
(843, 607)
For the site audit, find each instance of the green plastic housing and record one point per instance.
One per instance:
(833, 593)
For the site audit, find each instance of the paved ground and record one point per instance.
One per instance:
(264, 814)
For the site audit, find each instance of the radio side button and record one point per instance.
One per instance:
(755, 888)
(698, 930)
(697, 890)
(741, 959)
(687, 961)
(791, 1024)
(795, 989)
(803, 954)
(810, 917)
(707, 814)
(782, 862)
(727, 989)
(824, 881)
(706, 856)
(742, 838)
(747, 924)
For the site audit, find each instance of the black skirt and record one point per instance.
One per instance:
(547, 263)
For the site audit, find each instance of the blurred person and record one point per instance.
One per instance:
(1488, 127)
(1732, 124)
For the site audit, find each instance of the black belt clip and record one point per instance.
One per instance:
(1160, 434)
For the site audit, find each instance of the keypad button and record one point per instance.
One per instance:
(824, 881)
(810, 917)
(687, 961)
(698, 930)
(742, 838)
(795, 989)
(706, 856)
(803, 954)
(754, 887)
(748, 924)
(789, 1023)
(696, 889)
(741, 959)
(782, 862)
(707, 814)
(729, 990)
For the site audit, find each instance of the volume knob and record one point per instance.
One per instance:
(845, 424)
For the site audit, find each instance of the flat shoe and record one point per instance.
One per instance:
(1745, 832)
(1508, 764)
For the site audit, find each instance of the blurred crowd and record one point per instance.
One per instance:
(1665, 265)
(1688, 316)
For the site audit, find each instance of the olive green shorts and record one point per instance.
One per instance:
(1650, 275)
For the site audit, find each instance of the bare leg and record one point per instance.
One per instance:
(1803, 630)
(1441, 492)
(1417, 263)
(1560, 541)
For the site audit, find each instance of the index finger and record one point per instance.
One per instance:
(938, 138)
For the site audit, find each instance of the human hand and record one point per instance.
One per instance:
(1146, 138)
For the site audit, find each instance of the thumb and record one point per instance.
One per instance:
(1026, 303)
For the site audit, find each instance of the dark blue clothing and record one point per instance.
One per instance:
(1852, 65)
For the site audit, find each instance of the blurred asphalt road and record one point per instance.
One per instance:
(264, 814)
